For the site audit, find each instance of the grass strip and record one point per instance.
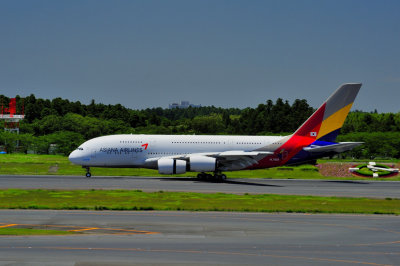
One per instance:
(137, 200)
(30, 231)
(33, 164)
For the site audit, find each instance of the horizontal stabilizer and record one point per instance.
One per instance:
(337, 147)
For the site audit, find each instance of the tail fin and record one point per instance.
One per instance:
(326, 122)
(322, 126)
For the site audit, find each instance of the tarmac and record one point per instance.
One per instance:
(340, 188)
(202, 238)
(212, 238)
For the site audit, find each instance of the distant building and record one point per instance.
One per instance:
(183, 104)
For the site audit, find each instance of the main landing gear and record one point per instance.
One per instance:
(217, 177)
(88, 174)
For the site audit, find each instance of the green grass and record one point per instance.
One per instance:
(30, 164)
(29, 231)
(137, 200)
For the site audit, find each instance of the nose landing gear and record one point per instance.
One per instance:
(88, 174)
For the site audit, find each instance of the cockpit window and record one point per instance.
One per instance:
(80, 148)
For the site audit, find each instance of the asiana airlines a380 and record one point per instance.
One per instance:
(210, 156)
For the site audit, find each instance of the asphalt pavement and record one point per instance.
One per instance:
(212, 238)
(367, 188)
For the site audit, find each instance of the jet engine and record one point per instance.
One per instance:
(203, 164)
(170, 166)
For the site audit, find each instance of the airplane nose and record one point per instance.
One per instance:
(74, 157)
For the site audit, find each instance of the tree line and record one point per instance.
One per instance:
(67, 123)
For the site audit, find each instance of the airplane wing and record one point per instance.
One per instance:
(227, 159)
(226, 155)
(235, 154)
(239, 159)
(337, 147)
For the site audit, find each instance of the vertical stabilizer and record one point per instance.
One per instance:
(324, 124)
(337, 107)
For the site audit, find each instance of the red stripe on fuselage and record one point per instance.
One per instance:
(300, 139)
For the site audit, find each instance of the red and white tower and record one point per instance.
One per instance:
(10, 117)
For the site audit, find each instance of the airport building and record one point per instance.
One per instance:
(183, 105)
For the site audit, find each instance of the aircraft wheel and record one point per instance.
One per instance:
(201, 176)
(219, 177)
(88, 174)
(209, 177)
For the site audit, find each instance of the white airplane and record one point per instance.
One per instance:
(178, 154)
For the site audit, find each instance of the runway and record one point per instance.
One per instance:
(367, 188)
(182, 238)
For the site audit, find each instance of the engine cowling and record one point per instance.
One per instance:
(203, 164)
(170, 166)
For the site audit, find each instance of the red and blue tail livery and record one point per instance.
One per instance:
(177, 154)
(315, 138)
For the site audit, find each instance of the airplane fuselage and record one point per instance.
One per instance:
(145, 150)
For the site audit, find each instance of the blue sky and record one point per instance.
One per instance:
(224, 53)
